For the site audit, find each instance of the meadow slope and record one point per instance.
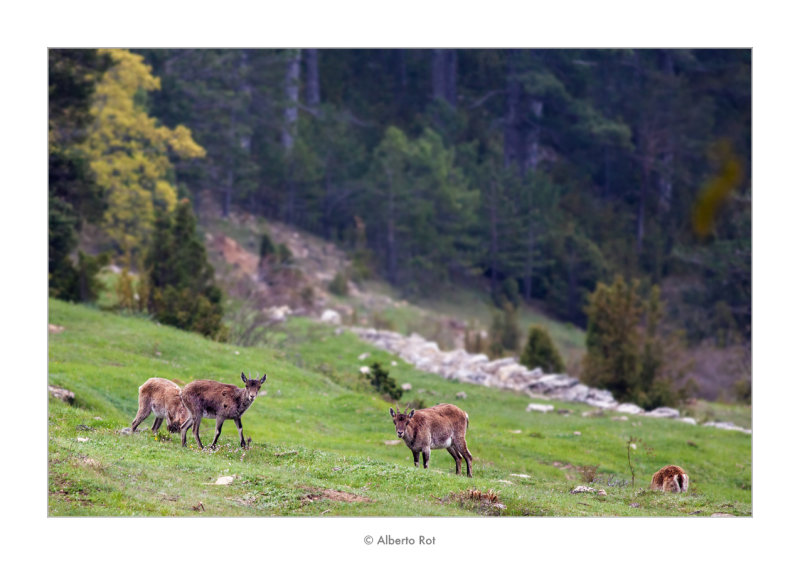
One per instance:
(319, 437)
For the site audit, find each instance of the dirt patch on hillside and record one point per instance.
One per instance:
(335, 495)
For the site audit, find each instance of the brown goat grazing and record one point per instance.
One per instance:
(440, 427)
(670, 479)
(219, 401)
(162, 398)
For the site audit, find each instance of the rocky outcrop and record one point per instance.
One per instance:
(507, 373)
(62, 394)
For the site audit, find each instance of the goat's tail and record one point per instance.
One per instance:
(467, 415)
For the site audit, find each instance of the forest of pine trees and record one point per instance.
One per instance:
(545, 171)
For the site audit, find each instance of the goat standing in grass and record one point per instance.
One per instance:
(162, 398)
(218, 401)
(443, 426)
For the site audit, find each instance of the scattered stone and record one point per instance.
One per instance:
(363, 356)
(722, 515)
(393, 442)
(278, 314)
(520, 475)
(727, 426)
(593, 414)
(461, 395)
(406, 387)
(83, 439)
(504, 481)
(688, 420)
(515, 431)
(224, 481)
(54, 329)
(663, 412)
(628, 408)
(394, 363)
(62, 394)
(125, 432)
(634, 505)
(533, 407)
(331, 317)
(583, 489)
(364, 370)
(236, 353)
(564, 412)
(620, 419)
(576, 433)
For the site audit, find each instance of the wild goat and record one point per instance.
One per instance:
(670, 479)
(441, 427)
(162, 398)
(219, 401)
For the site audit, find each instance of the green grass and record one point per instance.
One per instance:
(318, 437)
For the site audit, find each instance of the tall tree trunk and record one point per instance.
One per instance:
(493, 236)
(528, 278)
(521, 147)
(291, 89)
(444, 73)
(391, 243)
(312, 78)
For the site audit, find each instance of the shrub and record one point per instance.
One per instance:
(338, 285)
(381, 381)
(504, 333)
(541, 352)
(266, 247)
(630, 358)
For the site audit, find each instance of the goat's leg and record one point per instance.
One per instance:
(426, 455)
(157, 424)
(416, 458)
(141, 415)
(238, 422)
(196, 430)
(461, 446)
(220, 421)
(185, 427)
(457, 456)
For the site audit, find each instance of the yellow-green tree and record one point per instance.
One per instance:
(130, 153)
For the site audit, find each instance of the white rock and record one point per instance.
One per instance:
(406, 387)
(582, 488)
(534, 407)
(629, 408)
(663, 412)
(83, 439)
(224, 481)
(688, 420)
(727, 426)
(520, 475)
(461, 395)
(363, 356)
(364, 370)
(331, 317)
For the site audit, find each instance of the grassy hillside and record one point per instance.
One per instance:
(318, 437)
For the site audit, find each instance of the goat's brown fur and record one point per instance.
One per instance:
(670, 479)
(162, 398)
(218, 401)
(443, 426)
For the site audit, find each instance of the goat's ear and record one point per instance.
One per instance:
(244, 379)
(391, 411)
(411, 415)
(264, 379)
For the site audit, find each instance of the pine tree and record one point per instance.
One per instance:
(181, 280)
(541, 352)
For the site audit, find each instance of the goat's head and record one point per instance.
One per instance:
(252, 386)
(401, 420)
